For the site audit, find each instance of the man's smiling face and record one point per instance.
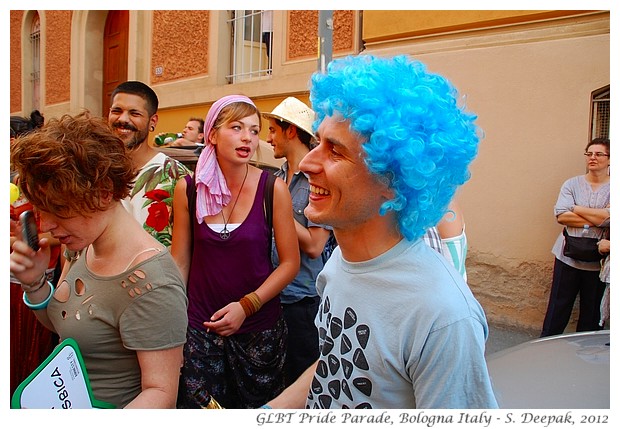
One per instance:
(129, 118)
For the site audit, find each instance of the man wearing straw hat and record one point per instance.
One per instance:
(290, 134)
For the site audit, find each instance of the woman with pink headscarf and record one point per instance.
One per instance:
(236, 336)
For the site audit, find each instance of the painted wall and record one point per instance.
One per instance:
(530, 86)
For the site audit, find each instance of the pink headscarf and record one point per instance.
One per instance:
(212, 193)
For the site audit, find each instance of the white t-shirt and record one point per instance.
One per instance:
(402, 330)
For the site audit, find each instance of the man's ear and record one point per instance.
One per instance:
(291, 132)
(153, 122)
(387, 193)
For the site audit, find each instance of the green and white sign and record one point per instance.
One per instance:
(60, 382)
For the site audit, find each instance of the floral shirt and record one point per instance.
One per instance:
(150, 201)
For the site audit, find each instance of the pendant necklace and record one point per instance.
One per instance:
(225, 233)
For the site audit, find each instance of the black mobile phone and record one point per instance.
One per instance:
(30, 233)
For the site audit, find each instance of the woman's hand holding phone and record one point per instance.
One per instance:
(30, 256)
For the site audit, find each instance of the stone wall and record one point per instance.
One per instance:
(513, 292)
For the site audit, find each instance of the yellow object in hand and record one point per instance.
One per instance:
(14, 192)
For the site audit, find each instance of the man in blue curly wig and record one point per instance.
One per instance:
(398, 326)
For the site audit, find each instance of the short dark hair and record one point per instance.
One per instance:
(201, 126)
(303, 136)
(200, 121)
(140, 89)
(599, 140)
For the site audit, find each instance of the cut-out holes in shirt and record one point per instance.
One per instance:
(131, 283)
(63, 291)
(79, 287)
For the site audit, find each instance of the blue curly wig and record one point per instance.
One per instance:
(416, 135)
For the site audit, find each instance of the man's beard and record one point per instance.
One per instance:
(138, 137)
(134, 142)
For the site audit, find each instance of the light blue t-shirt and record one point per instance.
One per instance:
(402, 330)
(577, 191)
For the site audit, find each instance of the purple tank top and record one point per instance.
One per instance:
(223, 271)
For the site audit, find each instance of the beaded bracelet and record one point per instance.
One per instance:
(41, 305)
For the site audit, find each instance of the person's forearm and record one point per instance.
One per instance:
(294, 397)
(281, 277)
(595, 216)
(311, 240)
(573, 219)
(159, 370)
(182, 142)
(153, 398)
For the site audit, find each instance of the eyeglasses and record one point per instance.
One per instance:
(596, 154)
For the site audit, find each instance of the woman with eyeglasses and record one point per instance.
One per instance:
(583, 208)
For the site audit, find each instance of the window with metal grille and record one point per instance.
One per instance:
(600, 113)
(35, 49)
(251, 44)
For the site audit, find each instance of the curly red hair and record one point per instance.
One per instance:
(74, 165)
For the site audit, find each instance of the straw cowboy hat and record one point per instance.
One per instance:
(295, 112)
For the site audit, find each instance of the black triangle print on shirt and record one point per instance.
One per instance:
(343, 367)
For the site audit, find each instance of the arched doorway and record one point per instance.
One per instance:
(115, 48)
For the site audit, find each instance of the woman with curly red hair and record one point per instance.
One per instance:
(120, 295)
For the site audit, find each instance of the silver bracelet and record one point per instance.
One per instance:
(34, 286)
